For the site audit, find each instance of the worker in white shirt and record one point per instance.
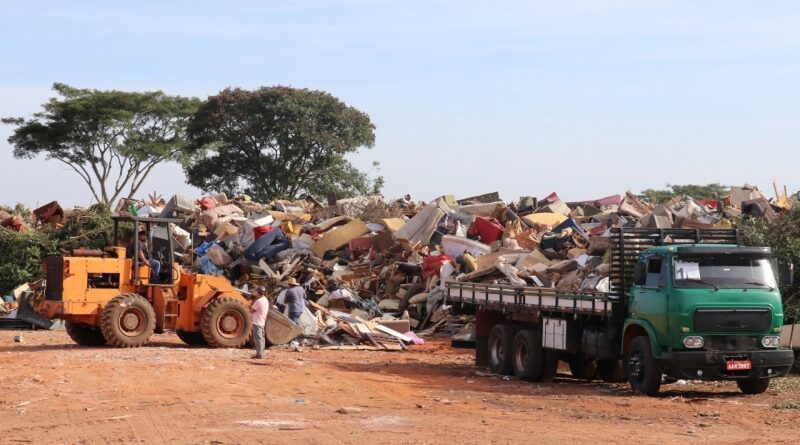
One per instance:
(258, 314)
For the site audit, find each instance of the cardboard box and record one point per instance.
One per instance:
(336, 239)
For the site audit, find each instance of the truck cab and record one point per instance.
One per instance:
(705, 312)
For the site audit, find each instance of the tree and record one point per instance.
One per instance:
(111, 139)
(279, 142)
(710, 191)
(21, 257)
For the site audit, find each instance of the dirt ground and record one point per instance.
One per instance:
(54, 392)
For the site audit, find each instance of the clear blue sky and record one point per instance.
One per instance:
(587, 98)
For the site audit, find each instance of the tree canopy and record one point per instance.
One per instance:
(111, 139)
(279, 142)
(709, 191)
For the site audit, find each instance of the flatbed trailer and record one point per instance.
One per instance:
(647, 325)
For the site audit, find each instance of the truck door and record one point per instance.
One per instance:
(652, 297)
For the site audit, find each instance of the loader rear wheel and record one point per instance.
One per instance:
(84, 334)
(225, 323)
(128, 321)
(191, 338)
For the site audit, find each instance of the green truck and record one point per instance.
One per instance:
(683, 304)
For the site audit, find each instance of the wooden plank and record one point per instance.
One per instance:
(394, 333)
(390, 347)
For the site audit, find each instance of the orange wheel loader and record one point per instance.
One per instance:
(110, 297)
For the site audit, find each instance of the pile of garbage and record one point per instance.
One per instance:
(374, 271)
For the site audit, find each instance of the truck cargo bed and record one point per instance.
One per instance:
(626, 245)
(529, 299)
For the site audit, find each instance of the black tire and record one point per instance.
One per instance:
(225, 323)
(583, 367)
(754, 386)
(611, 371)
(128, 321)
(501, 343)
(84, 334)
(191, 338)
(644, 373)
(528, 356)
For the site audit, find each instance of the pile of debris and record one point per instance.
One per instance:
(374, 271)
(15, 311)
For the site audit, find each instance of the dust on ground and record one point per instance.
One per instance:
(55, 392)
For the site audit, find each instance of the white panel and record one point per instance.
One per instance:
(554, 333)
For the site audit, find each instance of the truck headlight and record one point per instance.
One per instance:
(693, 342)
(770, 341)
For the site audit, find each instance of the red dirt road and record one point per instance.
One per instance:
(54, 392)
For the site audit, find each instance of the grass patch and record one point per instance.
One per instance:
(787, 405)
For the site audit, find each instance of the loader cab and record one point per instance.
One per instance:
(160, 246)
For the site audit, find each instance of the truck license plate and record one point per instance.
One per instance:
(738, 365)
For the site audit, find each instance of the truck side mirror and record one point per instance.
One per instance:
(639, 273)
(786, 274)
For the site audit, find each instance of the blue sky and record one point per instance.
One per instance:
(587, 98)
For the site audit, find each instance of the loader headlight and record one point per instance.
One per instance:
(770, 341)
(693, 342)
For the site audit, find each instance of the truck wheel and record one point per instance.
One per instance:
(582, 367)
(501, 342)
(84, 334)
(644, 374)
(191, 338)
(611, 371)
(128, 321)
(225, 323)
(754, 386)
(528, 356)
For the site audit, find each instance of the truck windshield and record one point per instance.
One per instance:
(723, 272)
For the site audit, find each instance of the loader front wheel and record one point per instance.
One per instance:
(84, 334)
(128, 321)
(225, 323)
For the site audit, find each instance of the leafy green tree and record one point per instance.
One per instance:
(709, 191)
(111, 139)
(279, 142)
(783, 237)
(657, 196)
(21, 257)
(90, 228)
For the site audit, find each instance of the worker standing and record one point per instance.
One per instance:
(295, 300)
(258, 315)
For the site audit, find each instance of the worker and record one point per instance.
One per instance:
(258, 315)
(144, 256)
(295, 300)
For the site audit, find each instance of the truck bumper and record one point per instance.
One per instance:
(711, 364)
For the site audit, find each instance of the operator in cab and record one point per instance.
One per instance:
(144, 256)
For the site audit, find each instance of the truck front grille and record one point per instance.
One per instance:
(731, 342)
(732, 320)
